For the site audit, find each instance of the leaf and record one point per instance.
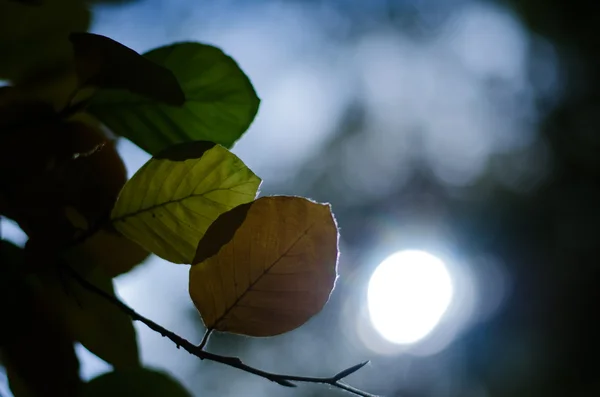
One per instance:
(37, 352)
(266, 267)
(168, 205)
(220, 101)
(34, 40)
(72, 165)
(57, 87)
(100, 326)
(140, 382)
(29, 2)
(40, 359)
(349, 371)
(110, 251)
(106, 63)
(17, 110)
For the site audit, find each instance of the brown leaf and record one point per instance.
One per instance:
(266, 267)
(109, 250)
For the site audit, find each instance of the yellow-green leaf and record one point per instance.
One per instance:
(168, 205)
(266, 267)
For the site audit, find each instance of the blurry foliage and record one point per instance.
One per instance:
(63, 182)
(33, 38)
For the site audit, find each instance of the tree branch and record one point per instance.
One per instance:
(235, 362)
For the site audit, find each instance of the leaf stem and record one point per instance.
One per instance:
(205, 338)
(235, 362)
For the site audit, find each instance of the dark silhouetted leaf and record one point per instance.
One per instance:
(37, 352)
(54, 89)
(105, 63)
(17, 110)
(110, 251)
(30, 2)
(275, 266)
(99, 325)
(35, 40)
(220, 101)
(56, 170)
(140, 382)
(168, 205)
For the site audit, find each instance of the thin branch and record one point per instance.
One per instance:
(235, 362)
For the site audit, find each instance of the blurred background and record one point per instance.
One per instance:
(463, 131)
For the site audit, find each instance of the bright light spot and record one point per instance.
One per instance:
(10, 230)
(408, 294)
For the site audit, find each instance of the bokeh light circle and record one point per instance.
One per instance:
(408, 294)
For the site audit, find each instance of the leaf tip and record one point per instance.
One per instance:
(284, 382)
(350, 371)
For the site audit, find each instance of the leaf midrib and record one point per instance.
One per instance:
(163, 204)
(283, 255)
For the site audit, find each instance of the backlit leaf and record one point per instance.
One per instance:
(99, 325)
(168, 205)
(266, 267)
(220, 102)
(103, 62)
(139, 382)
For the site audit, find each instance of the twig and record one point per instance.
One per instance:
(235, 362)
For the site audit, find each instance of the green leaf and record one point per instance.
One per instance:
(168, 205)
(140, 382)
(103, 62)
(266, 267)
(219, 107)
(99, 325)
